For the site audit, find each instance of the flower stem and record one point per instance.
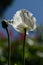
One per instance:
(24, 47)
(9, 47)
(5, 26)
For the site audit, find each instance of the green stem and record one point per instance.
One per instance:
(24, 47)
(9, 47)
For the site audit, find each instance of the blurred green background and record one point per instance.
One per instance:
(33, 48)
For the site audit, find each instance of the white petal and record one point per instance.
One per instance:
(34, 19)
(30, 14)
(27, 12)
(33, 23)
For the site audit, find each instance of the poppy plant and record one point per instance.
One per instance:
(23, 21)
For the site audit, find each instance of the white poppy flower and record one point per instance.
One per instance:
(23, 19)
